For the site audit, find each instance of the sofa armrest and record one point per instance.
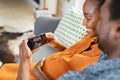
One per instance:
(46, 24)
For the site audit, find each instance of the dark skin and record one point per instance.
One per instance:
(109, 33)
(91, 15)
(54, 42)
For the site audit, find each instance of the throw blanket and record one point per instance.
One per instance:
(9, 43)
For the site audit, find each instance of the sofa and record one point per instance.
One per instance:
(68, 30)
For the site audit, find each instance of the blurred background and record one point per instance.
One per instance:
(20, 12)
(17, 18)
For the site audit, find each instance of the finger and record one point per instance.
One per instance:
(31, 36)
(20, 49)
(49, 35)
(42, 62)
(24, 44)
(33, 51)
(43, 59)
(21, 45)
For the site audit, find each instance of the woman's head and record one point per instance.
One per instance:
(91, 11)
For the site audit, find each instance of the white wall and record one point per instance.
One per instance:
(79, 4)
(51, 5)
(64, 6)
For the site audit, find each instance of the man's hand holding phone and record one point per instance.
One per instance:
(25, 52)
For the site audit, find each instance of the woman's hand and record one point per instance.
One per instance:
(38, 71)
(39, 65)
(53, 42)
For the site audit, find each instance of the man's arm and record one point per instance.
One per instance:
(25, 60)
(23, 72)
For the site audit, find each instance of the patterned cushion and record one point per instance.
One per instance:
(70, 28)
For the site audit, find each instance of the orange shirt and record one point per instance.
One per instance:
(76, 57)
(9, 71)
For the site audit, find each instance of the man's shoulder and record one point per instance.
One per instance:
(113, 74)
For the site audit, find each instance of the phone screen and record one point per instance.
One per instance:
(36, 41)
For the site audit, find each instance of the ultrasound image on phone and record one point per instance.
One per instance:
(36, 41)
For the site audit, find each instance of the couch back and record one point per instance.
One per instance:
(70, 28)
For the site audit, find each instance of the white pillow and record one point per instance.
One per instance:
(70, 28)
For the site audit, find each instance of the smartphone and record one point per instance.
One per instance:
(36, 41)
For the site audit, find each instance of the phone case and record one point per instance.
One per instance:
(36, 41)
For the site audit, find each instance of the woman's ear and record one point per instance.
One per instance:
(117, 29)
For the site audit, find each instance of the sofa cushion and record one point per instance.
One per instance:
(70, 28)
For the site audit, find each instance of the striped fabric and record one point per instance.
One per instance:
(70, 28)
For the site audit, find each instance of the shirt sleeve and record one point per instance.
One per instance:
(71, 75)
